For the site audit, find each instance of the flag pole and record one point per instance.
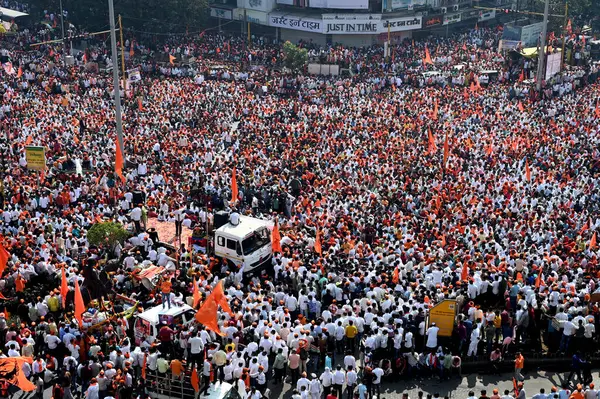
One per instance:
(542, 53)
(564, 41)
(117, 91)
(122, 51)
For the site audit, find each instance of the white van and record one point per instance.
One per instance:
(245, 240)
(148, 323)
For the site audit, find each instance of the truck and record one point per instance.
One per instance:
(243, 241)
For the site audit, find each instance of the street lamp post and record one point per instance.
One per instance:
(542, 53)
(117, 91)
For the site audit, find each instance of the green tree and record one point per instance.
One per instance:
(107, 235)
(295, 57)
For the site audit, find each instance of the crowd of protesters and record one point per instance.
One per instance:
(391, 194)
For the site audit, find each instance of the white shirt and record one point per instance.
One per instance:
(432, 333)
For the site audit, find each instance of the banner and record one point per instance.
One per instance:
(469, 15)
(286, 2)
(295, 22)
(452, 18)
(553, 64)
(341, 4)
(401, 4)
(134, 75)
(221, 13)
(487, 15)
(257, 5)
(432, 21)
(351, 23)
(531, 33)
(401, 24)
(36, 157)
(255, 17)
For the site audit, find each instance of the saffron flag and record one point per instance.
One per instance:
(28, 140)
(538, 280)
(432, 147)
(593, 244)
(446, 150)
(318, 248)
(131, 52)
(144, 364)
(396, 276)
(171, 59)
(11, 372)
(79, 305)
(4, 256)
(207, 315)
(427, 59)
(435, 110)
(520, 106)
(196, 294)
(219, 296)
(234, 187)
(119, 162)
(140, 106)
(19, 72)
(276, 238)
(195, 381)
(527, 171)
(64, 287)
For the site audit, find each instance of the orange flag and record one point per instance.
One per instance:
(276, 238)
(10, 369)
(427, 59)
(443, 241)
(4, 256)
(527, 171)
(318, 248)
(597, 111)
(519, 276)
(196, 294)
(234, 187)
(19, 72)
(472, 87)
(435, 110)
(446, 150)
(207, 315)
(131, 52)
(538, 280)
(171, 59)
(144, 364)
(464, 274)
(219, 297)
(432, 147)
(593, 242)
(28, 140)
(520, 106)
(195, 381)
(465, 94)
(396, 276)
(64, 287)
(79, 305)
(119, 162)
(20, 283)
(140, 107)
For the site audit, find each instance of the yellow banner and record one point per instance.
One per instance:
(36, 157)
(443, 315)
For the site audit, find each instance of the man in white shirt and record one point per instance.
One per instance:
(339, 377)
(432, 335)
(378, 373)
(196, 350)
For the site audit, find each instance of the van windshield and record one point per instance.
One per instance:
(258, 239)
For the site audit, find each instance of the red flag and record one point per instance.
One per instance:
(196, 294)
(79, 305)
(20, 283)
(219, 297)
(4, 257)
(234, 187)
(119, 162)
(432, 147)
(318, 248)
(64, 287)
(276, 238)
(427, 59)
(464, 274)
(593, 242)
(207, 315)
(527, 171)
(538, 280)
(446, 150)
(194, 380)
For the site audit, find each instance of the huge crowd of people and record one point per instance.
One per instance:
(392, 190)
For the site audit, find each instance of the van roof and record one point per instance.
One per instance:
(151, 315)
(246, 226)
